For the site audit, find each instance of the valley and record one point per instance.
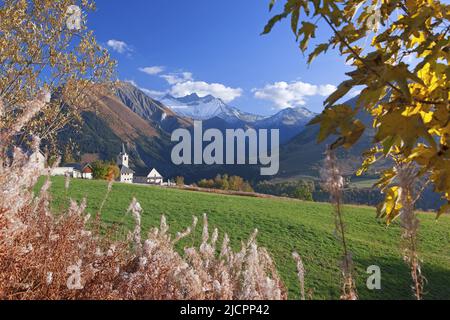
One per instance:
(145, 126)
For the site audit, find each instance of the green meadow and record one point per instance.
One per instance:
(284, 226)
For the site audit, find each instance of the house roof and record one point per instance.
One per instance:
(154, 174)
(78, 166)
(125, 170)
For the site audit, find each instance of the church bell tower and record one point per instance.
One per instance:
(122, 158)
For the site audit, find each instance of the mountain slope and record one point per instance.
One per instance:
(151, 110)
(145, 125)
(303, 155)
(290, 121)
(108, 122)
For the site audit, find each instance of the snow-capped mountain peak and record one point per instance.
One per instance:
(207, 107)
(290, 116)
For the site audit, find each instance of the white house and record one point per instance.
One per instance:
(155, 178)
(87, 172)
(126, 174)
(75, 170)
(65, 171)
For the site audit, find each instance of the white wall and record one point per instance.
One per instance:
(155, 181)
(88, 176)
(39, 159)
(62, 171)
(126, 178)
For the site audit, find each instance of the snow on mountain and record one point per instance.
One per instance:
(215, 113)
(204, 108)
(288, 117)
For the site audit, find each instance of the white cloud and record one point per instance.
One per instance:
(294, 94)
(326, 90)
(174, 78)
(152, 70)
(153, 93)
(202, 88)
(119, 46)
(183, 84)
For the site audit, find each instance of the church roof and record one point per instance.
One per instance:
(125, 170)
(124, 151)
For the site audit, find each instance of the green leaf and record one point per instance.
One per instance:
(294, 19)
(388, 143)
(341, 91)
(323, 47)
(337, 117)
(269, 26)
(354, 134)
(272, 3)
(308, 30)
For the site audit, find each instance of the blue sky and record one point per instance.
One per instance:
(212, 46)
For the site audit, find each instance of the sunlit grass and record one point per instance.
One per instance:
(285, 226)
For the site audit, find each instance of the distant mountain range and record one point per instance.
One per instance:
(217, 114)
(205, 108)
(303, 156)
(145, 125)
(130, 117)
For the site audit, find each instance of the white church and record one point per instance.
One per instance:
(127, 175)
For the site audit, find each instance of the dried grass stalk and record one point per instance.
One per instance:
(62, 256)
(406, 176)
(333, 183)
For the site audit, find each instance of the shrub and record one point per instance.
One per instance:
(225, 182)
(105, 170)
(301, 189)
(179, 181)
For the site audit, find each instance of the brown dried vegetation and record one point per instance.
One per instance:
(47, 255)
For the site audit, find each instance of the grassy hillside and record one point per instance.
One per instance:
(285, 226)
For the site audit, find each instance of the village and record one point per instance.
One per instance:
(85, 170)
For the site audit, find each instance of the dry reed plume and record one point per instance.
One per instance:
(333, 183)
(406, 175)
(62, 256)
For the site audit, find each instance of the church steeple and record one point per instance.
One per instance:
(122, 158)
